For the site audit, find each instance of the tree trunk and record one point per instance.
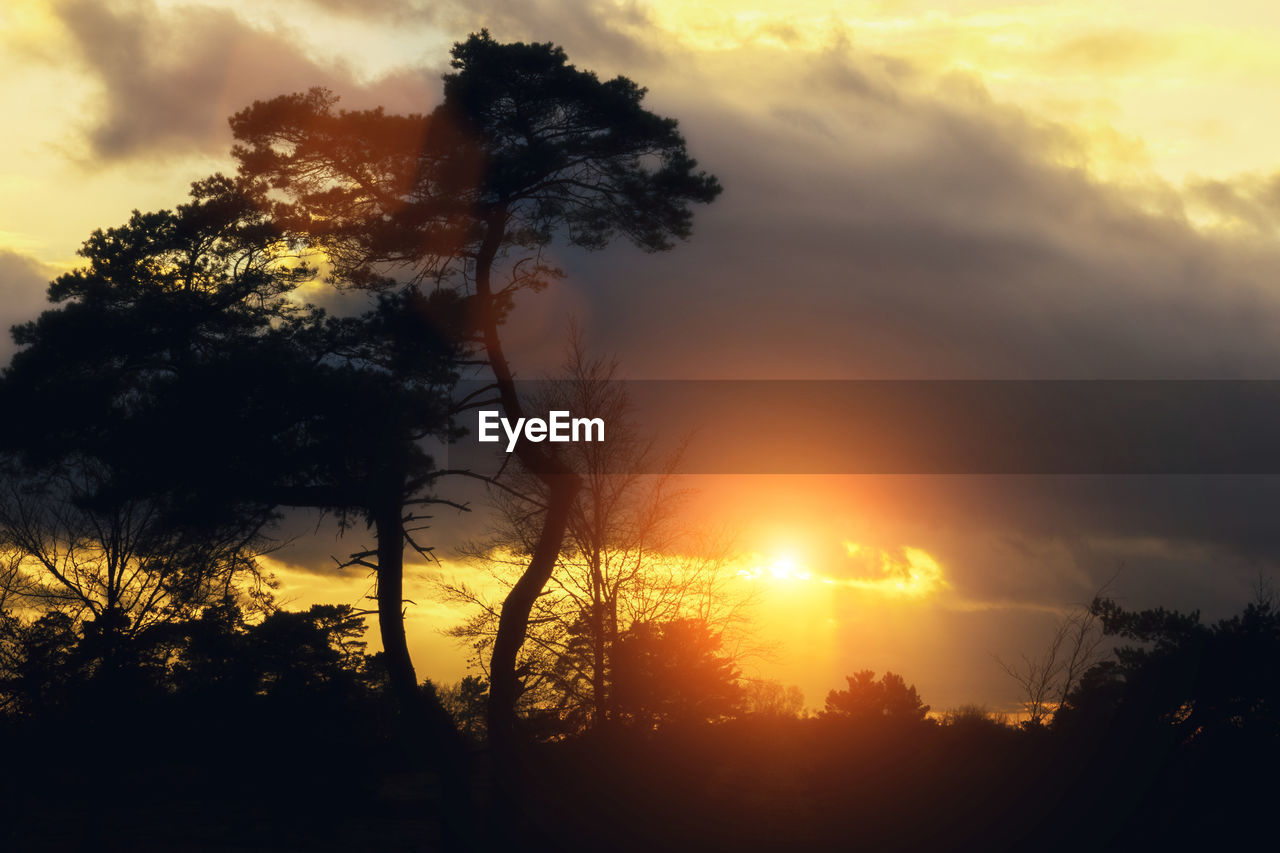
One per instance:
(562, 485)
(395, 646)
(513, 623)
(429, 729)
(600, 699)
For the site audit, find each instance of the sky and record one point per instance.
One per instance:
(966, 190)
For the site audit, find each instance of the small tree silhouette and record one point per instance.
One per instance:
(868, 700)
(674, 672)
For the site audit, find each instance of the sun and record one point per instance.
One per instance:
(786, 567)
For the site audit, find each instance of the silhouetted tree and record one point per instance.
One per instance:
(38, 667)
(1047, 679)
(523, 148)
(674, 672)
(81, 509)
(867, 700)
(466, 702)
(1202, 683)
(767, 698)
(624, 560)
(302, 677)
(973, 716)
(179, 365)
(114, 560)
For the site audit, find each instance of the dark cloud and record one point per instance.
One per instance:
(22, 287)
(916, 237)
(171, 78)
(1181, 541)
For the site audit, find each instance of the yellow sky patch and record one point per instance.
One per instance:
(1168, 81)
(1148, 90)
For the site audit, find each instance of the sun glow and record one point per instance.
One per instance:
(787, 568)
(784, 567)
(903, 572)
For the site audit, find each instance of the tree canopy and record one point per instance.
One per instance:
(523, 147)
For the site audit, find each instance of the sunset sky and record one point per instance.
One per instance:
(965, 190)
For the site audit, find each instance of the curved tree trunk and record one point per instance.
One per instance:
(562, 486)
(513, 624)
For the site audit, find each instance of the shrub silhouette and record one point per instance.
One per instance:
(867, 700)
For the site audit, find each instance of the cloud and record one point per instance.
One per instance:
(1017, 542)
(1250, 201)
(925, 235)
(593, 31)
(1183, 542)
(22, 286)
(1110, 51)
(399, 10)
(170, 78)
(607, 35)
